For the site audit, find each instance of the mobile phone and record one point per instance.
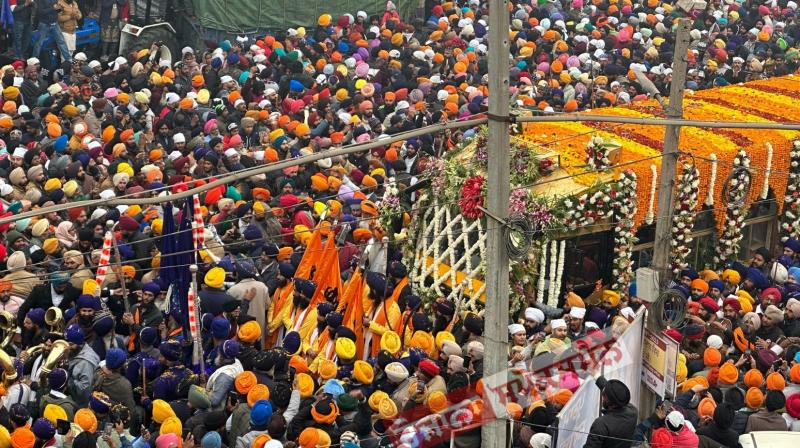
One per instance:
(62, 427)
(108, 429)
(233, 396)
(666, 405)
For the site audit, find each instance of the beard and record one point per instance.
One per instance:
(282, 282)
(85, 321)
(300, 301)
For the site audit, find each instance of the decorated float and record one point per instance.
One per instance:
(574, 182)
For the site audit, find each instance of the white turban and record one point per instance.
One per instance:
(534, 314)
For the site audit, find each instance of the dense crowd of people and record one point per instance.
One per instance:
(286, 361)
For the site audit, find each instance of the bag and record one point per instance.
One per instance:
(114, 11)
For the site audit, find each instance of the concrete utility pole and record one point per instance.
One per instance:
(669, 159)
(666, 186)
(494, 432)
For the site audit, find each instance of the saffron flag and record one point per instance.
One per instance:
(354, 309)
(311, 256)
(327, 275)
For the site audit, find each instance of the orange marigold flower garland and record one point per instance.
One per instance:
(734, 195)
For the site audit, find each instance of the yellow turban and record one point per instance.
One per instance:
(215, 278)
(54, 412)
(390, 341)
(362, 372)
(172, 425)
(162, 411)
(443, 336)
(345, 348)
(305, 385)
(52, 184)
(611, 296)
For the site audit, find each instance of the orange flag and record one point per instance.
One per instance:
(352, 300)
(327, 274)
(311, 256)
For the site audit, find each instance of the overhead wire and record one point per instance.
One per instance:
(555, 228)
(336, 195)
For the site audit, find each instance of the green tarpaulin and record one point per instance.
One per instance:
(248, 15)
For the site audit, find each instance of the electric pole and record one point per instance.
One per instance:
(666, 187)
(669, 158)
(494, 431)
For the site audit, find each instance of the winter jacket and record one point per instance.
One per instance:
(81, 374)
(764, 420)
(685, 438)
(613, 429)
(68, 16)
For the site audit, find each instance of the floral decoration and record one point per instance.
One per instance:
(790, 218)
(390, 207)
(683, 216)
(735, 210)
(597, 152)
(472, 195)
(624, 207)
(587, 209)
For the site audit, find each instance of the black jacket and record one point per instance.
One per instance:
(613, 429)
(41, 297)
(727, 436)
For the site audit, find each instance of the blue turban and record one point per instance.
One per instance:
(152, 288)
(171, 350)
(36, 315)
(115, 358)
(305, 287)
(291, 342)
(74, 334)
(261, 412)
(220, 327)
(230, 349)
(334, 319)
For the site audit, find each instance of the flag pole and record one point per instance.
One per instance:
(197, 349)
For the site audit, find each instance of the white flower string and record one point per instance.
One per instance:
(765, 187)
(562, 255)
(652, 201)
(624, 236)
(728, 246)
(542, 273)
(790, 217)
(712, 183)
(683, 218)
(552, 289)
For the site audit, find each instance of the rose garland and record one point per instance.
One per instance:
(790, 217)
(728, 246)
(472, 197)
(597, 151)
(587, 209)
(683, 217)
(624, 235)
